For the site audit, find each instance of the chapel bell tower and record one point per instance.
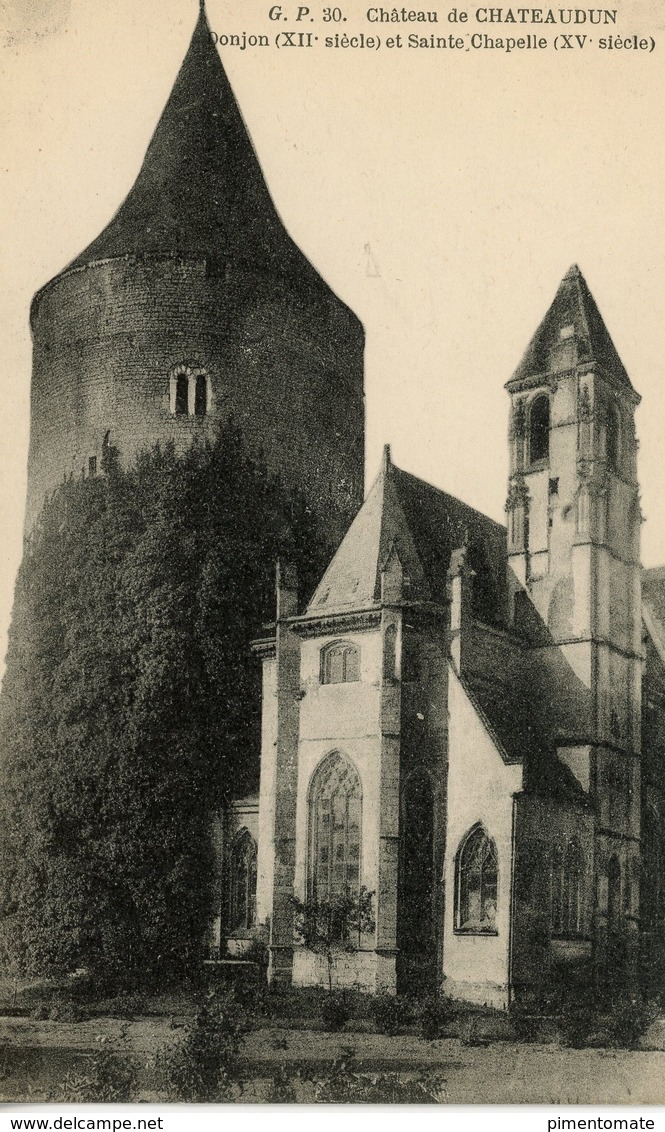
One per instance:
(573, 548)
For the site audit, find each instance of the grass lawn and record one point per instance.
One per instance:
(286, 1050)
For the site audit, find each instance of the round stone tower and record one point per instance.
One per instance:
(192, 306)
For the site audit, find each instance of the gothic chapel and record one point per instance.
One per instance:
(468, 721)
(465, 721)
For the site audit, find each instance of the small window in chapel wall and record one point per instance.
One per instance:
(243, 883)
(477, 882)
(340, 663)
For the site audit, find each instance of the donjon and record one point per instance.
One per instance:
(194, 306)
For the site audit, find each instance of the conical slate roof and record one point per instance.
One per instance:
(407, 516)
(573, 305)
(200, 191)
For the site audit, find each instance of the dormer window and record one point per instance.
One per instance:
(340, 663)
(539, 429)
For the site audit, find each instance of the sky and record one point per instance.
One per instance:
(441, 193)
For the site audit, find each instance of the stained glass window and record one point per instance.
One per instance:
(477, 883)
(335, 811)
(243, 883)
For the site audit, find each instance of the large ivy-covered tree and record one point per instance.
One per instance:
(130, 704)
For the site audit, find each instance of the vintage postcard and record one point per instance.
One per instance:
(332, 586)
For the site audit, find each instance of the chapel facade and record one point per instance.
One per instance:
(466, 720)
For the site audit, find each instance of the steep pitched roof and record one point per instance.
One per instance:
(573, 305)
(200, 191)
(423, 526)
(653, 606)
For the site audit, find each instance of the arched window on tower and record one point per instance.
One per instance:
(181, 395)
(539, 429)
(201, 396)
(243, 883)
(613, 438)
(476, 887)
(335, 815)
(340, 663)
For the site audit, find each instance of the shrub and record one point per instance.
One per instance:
(525, 1016)
(344, 1085)
(334, 925)
(66, 1011)
(203, 1065)
(433, 1016)
(335, 1012)
(630, 1016)
(605, 1017)
(109, 1077)
(282, 1087)
(391, 1014)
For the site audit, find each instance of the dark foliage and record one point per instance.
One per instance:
(434, 1015)
(343, 1084)
(130, 705)
(335, 1012)
(391, 1013)
(604, 1017)
(202, 1066)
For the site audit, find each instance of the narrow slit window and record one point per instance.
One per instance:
(181, 395)
(201, 396)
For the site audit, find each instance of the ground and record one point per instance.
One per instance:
(482, 1065)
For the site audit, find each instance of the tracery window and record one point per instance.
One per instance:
(340, 663)
(539, 428)
(477, 878)
(335, 814)
(566, 889)
(243, 883)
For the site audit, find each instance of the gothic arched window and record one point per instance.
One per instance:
(539, 428)
(477, 878)
(181, 395)
(201, 395)
(340, 663)
(335, 812)
(566, 889)
(243, 883)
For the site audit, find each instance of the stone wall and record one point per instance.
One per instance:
(284, 358)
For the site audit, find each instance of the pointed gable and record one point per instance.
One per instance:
(200, 191)
(573, 314)
(380, 530)
(405, 517)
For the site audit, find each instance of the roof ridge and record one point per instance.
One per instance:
(447, 495)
